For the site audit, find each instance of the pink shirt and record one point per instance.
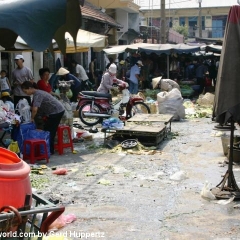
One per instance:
(107, 82)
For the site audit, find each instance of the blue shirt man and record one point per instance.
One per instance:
(135, 77)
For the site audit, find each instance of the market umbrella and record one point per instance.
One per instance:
(227, 100)
(38, 22)
(84, 41)
(125, 48)
(169, 49)
(214, 48)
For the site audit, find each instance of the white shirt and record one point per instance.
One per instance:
(81, 72)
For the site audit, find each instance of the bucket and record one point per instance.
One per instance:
(225, 142)
(14, 179)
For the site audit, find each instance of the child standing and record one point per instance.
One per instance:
(4, 82)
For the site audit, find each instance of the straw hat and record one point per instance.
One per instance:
(155, 82)
(5, 94)
(62, 71)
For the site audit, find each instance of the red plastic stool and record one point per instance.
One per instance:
(60, 144)
(35, 153)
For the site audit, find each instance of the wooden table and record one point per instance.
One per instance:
(149, 136)
(153, 118)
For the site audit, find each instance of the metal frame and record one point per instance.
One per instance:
(38, 217)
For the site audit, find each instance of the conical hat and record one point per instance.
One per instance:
(62, 71)
(155, 82)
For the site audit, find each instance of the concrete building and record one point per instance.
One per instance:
(188, 12)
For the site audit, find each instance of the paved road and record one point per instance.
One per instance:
(140, 200)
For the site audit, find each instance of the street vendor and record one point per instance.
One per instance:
(164, 84)
(45, 104)
(108, 79)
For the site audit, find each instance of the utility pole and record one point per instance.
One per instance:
(200, 18)
(163, 22)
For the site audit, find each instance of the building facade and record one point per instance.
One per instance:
(213, 15)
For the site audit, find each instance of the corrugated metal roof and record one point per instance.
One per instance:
(92, 12)
(179, 4)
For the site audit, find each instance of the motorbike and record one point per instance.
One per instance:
(86, 85)
(93, 106)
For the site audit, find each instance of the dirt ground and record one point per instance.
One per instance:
(130, 196)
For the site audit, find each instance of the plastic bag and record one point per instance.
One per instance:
(24, 110)
(39, 134)
(68, 110)
(20, 133)
(112, 123)
(171, 103)
(60, 171)
(178, 176)
(13, 146)
(206, 193)
(3, 115)
(61, 221)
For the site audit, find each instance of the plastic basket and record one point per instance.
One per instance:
(29, 222)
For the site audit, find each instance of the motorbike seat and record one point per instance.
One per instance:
(97, 94)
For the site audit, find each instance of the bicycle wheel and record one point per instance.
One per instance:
(88, 108)
(141, 108)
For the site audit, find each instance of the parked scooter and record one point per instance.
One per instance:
(94, 106)
(86, 85)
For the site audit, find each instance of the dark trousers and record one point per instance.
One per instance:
(75, 92)
(201, 82)
(51, 125)
(17, 98)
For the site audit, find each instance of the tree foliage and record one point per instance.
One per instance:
(182, 30)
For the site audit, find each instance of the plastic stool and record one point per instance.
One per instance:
(35, 153)
(60, 144)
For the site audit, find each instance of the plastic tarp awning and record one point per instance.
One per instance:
(149, 48)
(38, 22)
(85, 40)
(214, 48)
(124, 48)
(169, 49)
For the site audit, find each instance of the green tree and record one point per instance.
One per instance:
(182, 30)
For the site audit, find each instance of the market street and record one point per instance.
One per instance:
(135, 197)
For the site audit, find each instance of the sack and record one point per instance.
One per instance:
(68, 110)
(171, 103)
(3, 115)
(39, 134)
(21, 133)
(13, 146)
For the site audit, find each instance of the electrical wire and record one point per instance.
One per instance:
(109, 4)
(174, 2)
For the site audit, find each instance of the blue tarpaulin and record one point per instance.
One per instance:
(37, 22)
